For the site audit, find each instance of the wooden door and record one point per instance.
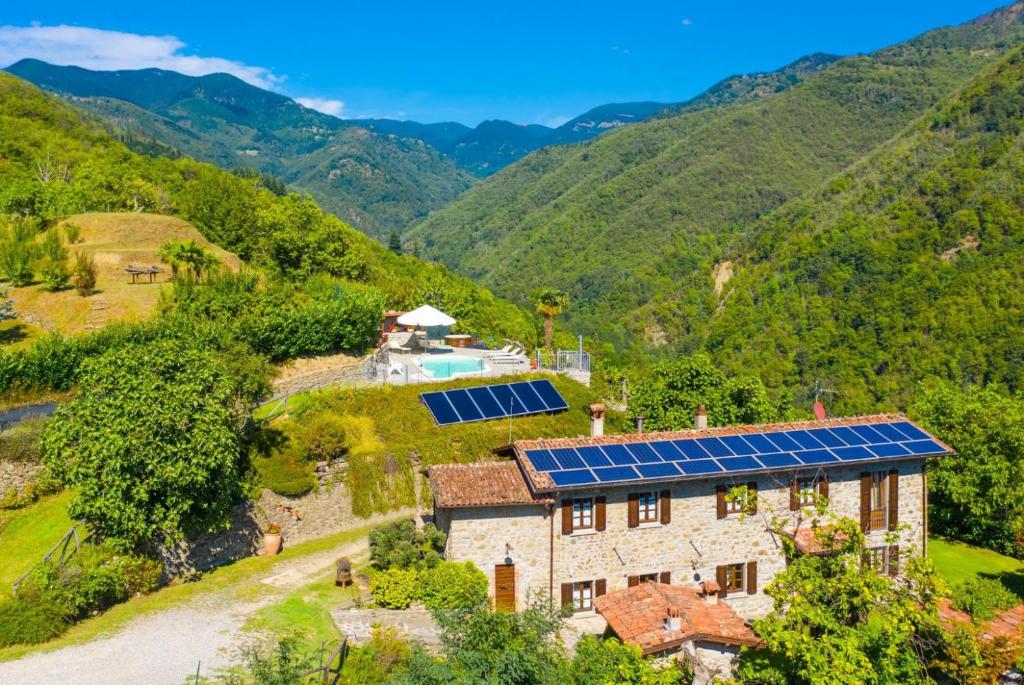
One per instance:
(505, 587)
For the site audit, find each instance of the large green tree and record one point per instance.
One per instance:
(668, 396)
(977, 495)
(837, 620)
(152, 442)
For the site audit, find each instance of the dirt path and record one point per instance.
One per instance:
(165, 647)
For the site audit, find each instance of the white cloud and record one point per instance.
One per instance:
(325, 105)
(686, 22)
(108, 50)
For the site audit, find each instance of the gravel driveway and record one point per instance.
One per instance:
(164, 648)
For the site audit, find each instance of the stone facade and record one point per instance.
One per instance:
(689, 547)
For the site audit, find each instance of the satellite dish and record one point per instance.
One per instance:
(819, 410)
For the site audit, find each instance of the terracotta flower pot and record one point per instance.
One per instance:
(272, 543)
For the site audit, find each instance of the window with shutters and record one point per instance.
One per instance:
(647, 503)
(583, 596)
(648, 577)
(583, 514)
(877, 558)
(879, 501)
(735, 578)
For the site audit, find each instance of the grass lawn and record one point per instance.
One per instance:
(27, 534)
(955, 561)
(240, 580)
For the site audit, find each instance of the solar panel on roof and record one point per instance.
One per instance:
(578, 477)
(542, 460)
(593, 456)
(911, 431)
(639, 460)
(643, 453)
(568, 458)
(614, 473)
(816, 456)
(698, 466)
(805, 440)
(852, 453)
(662, 470)
(739, 464)
(784, 442)
(485, 402)
(618, 454)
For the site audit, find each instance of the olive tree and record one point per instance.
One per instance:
(153, 440)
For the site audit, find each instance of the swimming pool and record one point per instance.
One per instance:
(447, 367)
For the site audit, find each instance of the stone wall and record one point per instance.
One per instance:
(315, 515)
(317, 379)
(690, 547)
(15, 475)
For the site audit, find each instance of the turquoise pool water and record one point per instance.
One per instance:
(446, 367)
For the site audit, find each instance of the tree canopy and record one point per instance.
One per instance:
(153, 440)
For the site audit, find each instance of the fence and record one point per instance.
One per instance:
(571, 360)
(64, 546)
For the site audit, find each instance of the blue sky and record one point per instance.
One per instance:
(527, 61)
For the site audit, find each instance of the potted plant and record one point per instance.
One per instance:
(343, 577)
(272, 539)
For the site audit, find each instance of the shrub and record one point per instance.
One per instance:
(396, 588)
(29, 622)
(401, 545)
(53, 264)
(450, 585)
(284, 472)
(139, 575)
(72, 232)
(16, 262)
(85, 274)
(983, 598)
(325, 436)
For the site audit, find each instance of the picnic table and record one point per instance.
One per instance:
(136, 271)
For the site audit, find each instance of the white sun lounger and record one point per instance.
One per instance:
(505, 351)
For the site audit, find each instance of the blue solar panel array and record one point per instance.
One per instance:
(750, 452)
(486, 402)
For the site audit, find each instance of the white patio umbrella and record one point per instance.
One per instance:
(426, 317)
(434, 321)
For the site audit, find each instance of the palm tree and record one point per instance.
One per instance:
(189, 256)
(550, 302)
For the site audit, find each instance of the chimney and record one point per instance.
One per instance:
(673, 623)
(700, 419)
(709, 591)
(596, 420)
(639, 424)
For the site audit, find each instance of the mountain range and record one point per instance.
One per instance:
(380, 175)
(638, 224)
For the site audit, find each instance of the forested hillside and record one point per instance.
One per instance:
(628, 222)
(54, 163)
(908, 265)
(378, 183)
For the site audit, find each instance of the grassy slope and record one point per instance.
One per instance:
(114, 240)
(623, 221)
(34, 125)
(28, 534)
(956, 562)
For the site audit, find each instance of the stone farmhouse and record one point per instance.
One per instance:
(546, 521)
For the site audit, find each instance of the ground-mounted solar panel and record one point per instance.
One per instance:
(701, 456)
(485, 402)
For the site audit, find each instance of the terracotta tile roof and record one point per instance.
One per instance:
(480, 484)
(637, 615)
(542, 481)
(1007, 624)
(809, 540)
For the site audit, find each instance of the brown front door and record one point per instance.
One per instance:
(505, 587)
